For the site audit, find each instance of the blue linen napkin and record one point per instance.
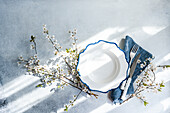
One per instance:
(144, 61)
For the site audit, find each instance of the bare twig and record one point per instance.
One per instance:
(75, 98)
(163, 66)
(68, 79)
(153, 75)
(53, 44)
(127, 99)
(75, 87)
(140, 98)
(35, 46)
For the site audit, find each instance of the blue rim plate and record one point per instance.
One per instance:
(102, 66)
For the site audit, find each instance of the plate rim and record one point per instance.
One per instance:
(95, 44)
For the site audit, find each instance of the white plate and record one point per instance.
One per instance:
(102, 66)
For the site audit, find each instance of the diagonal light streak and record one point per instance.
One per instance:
(27, 101)
(17, 85)
(151, 30)
(166, 103)
(78, 101)
(104, 108)
(103, 35)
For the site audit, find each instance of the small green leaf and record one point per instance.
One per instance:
(145, 84)
(67, 50)
(56, 52)
(59, 86)
(159, 90)
(162, 85)
(66, 108)
(167, 66)
(145, 103)
(39, 85)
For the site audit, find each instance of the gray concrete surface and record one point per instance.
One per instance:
(147, 21)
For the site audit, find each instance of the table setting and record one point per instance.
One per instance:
(116, 60)
(100, 67)
(124, 83)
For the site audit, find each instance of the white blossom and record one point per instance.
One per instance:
(32, 46)
(30, 61)
(85, 89)
(142, 65)
(150, 59)
(139, 61)
(47, 36)
(52, 36)
(19, 63)
(44, 25)
(35, 56)
(21, 58)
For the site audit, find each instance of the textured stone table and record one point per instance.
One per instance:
(147, 21)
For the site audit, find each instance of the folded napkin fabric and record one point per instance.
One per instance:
(144, 60)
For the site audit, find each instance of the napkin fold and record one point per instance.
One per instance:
(144, 60)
